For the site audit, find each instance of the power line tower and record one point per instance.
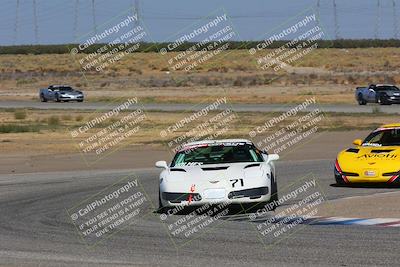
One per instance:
(94, 17)
(35, 22)
(136, 10)
(16, 23)
(335, 17)
(318, 10)
(378, 19)
(76, 14)
(395, 25)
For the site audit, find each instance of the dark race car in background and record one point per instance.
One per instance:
(60, 93)
(383, 94)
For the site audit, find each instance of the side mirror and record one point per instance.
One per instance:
(357, 142)
(271, 157)
(162, 164)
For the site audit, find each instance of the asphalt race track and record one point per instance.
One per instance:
(35, 229)
(343, 108)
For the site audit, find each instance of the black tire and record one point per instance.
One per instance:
(274, 196)
(339, 181)
(42, 98)
(360, 100)
(161, 208)
(58, 98)
(80, 100)
(338, 178)
(381, 101)
(274, 189)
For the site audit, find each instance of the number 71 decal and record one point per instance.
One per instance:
(234, 181)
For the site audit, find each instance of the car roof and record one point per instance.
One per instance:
(383, 84)
(221, 141)
(59, 85)
(393, 125)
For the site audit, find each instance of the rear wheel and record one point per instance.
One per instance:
(382, 101)
(42, 98)
(360, 100)
(58, 98)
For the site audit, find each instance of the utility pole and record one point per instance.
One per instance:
(16, 23)
(395, 25)
(35, 22)
(378, 19)
(76, 14)
(136, 6)
(335, 17)
(94, 17)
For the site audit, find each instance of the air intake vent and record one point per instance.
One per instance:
(215, 168)
(177, 170)
(353, 150)
(391, 174)
(350, 174)
(376, 151)
(252, 165)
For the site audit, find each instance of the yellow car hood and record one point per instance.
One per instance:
(362, 159)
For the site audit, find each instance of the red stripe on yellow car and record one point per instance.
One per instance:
(340, 171)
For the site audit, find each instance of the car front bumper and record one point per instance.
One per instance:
(71, 97)
(251, 195)
(349, 178)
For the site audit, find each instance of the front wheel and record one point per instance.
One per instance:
(274, 189)
(382, 101)
(161, 208)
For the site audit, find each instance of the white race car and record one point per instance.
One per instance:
(230, 171)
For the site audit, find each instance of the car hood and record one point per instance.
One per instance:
(385, 159)
(392, 93)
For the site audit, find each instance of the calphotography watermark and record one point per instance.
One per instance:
(282, 133)
(186, 222)
(297, 204)
(200, 42)
(106, 131)
(296, 39)
(110, 210)
(100, 50)
(212, 120)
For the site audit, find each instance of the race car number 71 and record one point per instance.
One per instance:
(237, 180)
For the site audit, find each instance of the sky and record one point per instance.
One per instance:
(65, 21)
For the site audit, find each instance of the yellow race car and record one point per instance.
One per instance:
(374, 160)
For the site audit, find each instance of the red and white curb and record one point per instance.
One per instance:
(385, 222)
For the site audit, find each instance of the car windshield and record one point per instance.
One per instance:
(386, 137)
(63, 89)
(216, 154)
(387, 88)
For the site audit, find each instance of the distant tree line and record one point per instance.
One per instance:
(155, 47)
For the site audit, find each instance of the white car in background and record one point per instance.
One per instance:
(230, 171)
